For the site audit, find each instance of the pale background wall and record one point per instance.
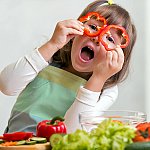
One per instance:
(25, 23)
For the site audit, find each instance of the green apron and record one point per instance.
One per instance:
(50, 94)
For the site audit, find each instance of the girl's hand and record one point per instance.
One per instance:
(66, 30)
(106, 68)
(111, 65)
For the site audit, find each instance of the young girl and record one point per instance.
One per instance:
(77, 70)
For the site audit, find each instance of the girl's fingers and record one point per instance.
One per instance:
(114, 58)
(120, 55)
(74, 24)
(109, 56)
(80, 22)
(74, 31)
(117, 58)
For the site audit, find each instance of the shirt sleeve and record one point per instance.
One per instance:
(87, 100)
(24, 71)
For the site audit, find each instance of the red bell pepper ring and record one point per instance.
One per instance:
(98, 17)
(107, 30)
(103, 30)
(17, 136)
(46, 128)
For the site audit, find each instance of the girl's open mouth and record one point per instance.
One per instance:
(87, 54)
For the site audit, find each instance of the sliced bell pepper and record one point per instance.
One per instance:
(107, 29)
(100, 31)
(46, 128)
(98, 17)
(16, 136)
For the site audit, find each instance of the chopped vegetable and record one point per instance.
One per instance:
(30, 142)
(87, 17)
(1, 141)
(55, 138)
(78, 140)
(120, 29)
(27, 141)
(9, 143)
(23, 142)
(109, 135)
(138, 146)
(100, 31)
(39, 139)
(17, 136)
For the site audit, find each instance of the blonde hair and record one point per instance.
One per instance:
(114, 14)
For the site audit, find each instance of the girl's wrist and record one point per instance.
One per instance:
(47, 50)
(95, 83)
(53, 45)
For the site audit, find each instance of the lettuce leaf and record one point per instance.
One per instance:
(109, 135)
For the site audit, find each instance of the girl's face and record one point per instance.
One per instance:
(87, 52)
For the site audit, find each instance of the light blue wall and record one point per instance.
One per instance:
(24, 24)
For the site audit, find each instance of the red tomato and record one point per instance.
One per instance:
(143, 132)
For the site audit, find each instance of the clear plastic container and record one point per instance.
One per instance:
(90, 119)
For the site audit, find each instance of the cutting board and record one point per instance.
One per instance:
(45, 146)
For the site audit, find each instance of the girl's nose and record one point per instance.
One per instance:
(95, 40)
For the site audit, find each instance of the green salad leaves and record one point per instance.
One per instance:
(109, 135)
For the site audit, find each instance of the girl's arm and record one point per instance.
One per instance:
(88, 97)
(87, 100)
(15, 77)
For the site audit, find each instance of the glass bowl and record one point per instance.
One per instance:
(90, 119)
